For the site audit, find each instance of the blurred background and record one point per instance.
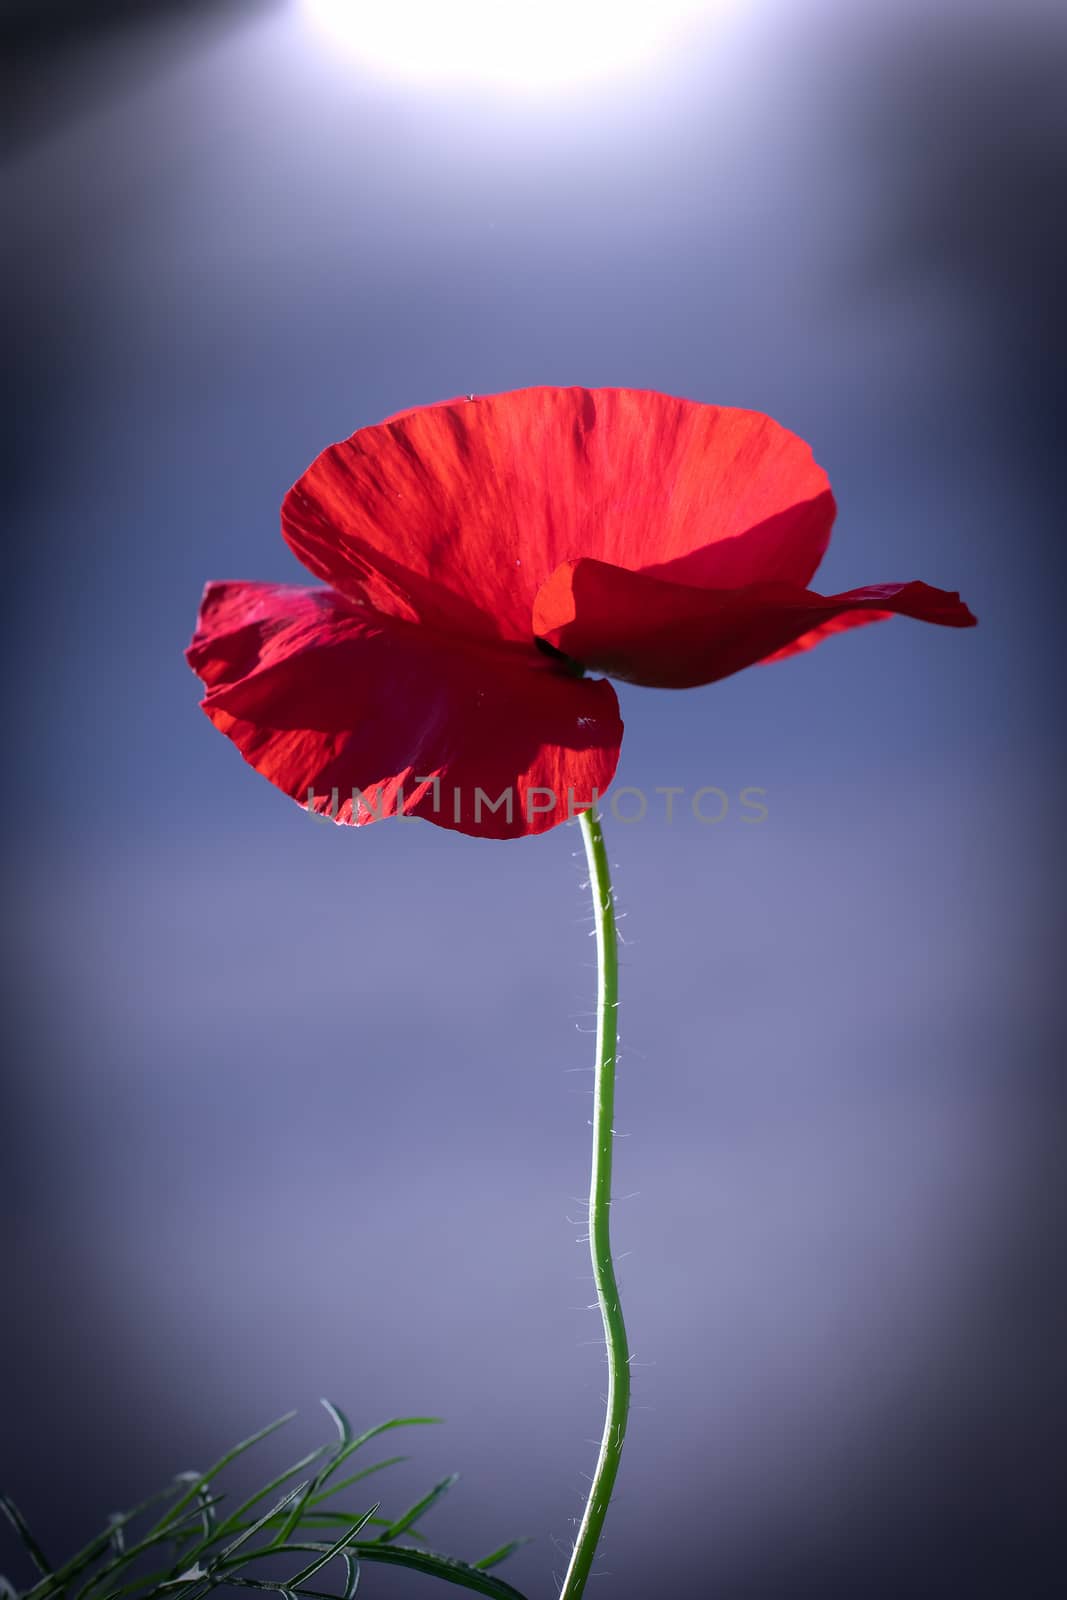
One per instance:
(292, 1110)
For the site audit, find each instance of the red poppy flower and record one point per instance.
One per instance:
(484, 556)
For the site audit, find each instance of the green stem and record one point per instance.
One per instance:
(607, 1290)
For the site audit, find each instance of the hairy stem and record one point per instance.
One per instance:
(618, 1397)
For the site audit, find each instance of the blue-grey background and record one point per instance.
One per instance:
(293, 1110)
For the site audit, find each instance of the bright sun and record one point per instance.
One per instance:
(522, 43)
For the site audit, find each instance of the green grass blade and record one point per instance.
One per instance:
(291, 1520)
(413, 1513)
(334, 1519)
(204, 1478)
(225, 1572)
(435, 1566)
(32, 1548)
(262, 1584)
(398, 1555)
(156, 1536)
(96, 1546)
(208, 1517)
(334, 1550)
(339, 1420)
(347, 1446)
(262, 1522)
(233, 1523)
(351, 1445)
(146, 1582)
(270, 1552)
(279, 1588)
(356, 1477)
(500, 1555)
(351, 1576)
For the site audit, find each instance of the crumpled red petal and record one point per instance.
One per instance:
(358, 716)
(673, 636)
(456, 514)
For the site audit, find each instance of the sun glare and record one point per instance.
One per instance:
(525, 44)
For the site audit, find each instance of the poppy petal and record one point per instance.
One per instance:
(359, 717)
(455, 514)
(670, 635)
(842, 623)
